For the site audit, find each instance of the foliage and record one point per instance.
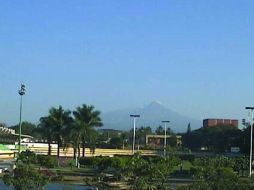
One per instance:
(218, 179)
(141, 134)
(104, 163)
(88, 161)
(71, 163)
(59, 119)
(27, 157)
(27, 128)
(172, 141)
(124, 138)
(218, 174)
(151, 173)
(115, 142)
(85, 119)
(47, 161)
(46, 129)
(25, 177)
(53, 126)
(217, 139)
(160, 131)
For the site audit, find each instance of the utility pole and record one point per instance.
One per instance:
(21, 93)
(165, 136)
(251, 137)
(134, 132)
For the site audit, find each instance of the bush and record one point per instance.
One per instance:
(28, 157)
(91, 161)
(119, 162)
(25, 177)
(102, 163)
(47, 161)
(71, 163)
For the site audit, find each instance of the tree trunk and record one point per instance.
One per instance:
(49, 148)
(74, 152)
(58, 153)
(77, 158)
(84, 148)
(78, 151)
(58, 150)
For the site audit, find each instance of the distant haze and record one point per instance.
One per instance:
(150, 115)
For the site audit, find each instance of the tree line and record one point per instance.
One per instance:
(65, 127)
(218, 139)
(77, 129)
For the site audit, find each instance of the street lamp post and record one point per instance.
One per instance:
(134, 132)
(21, 93)
(251, 136)
(165, 136)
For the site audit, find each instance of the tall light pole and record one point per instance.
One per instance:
(134, 132)
(251, 136)
(21, 93)
(165, 136)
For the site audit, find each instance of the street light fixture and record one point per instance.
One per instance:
(134, 132)
(251, 136)
(21, 93)
(165, 136)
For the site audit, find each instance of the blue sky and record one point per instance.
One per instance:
(194, 56)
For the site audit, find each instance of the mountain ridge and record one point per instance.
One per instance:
(150, 115)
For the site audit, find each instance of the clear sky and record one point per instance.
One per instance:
(195, 56)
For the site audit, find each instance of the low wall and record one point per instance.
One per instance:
(42, 148)
(68, 152)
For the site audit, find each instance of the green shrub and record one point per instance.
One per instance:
(89, 161)
(71, 163)
(120, 162)
(25, 177)
(27, 157)
(47, 161)
(102, 163)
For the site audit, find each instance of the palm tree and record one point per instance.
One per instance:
(46, 128)
(85, 118)
(123, 137)
(60, 119)
(72, 136)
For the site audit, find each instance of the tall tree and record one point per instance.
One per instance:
(72, 135)
(85, 118)
(169, 131)
(60, 119)
(141, 134)
(159, 130)
(46, 129)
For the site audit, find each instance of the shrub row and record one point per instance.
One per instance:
(30, 157)
(103, 163)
